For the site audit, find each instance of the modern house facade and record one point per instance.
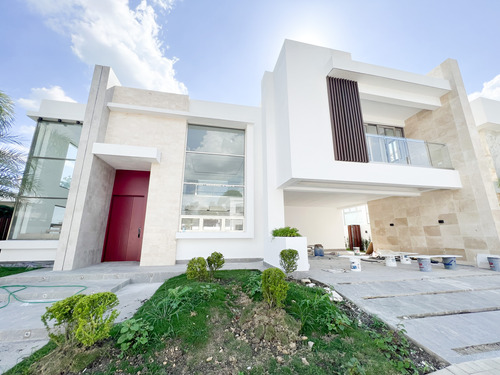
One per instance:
(160, 178)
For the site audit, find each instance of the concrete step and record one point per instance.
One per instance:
(48, 291)
(75, 277)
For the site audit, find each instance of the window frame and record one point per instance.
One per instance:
(248, 186)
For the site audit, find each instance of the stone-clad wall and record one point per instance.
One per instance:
(165, 184)
(471, 214)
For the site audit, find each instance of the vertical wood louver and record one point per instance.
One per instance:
(347, 121)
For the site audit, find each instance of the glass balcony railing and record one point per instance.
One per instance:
(407, 151)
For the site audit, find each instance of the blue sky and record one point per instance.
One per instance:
(219, 50)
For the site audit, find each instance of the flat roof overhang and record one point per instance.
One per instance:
(390, 95)
(135, 158)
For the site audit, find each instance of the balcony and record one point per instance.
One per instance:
(395, 150)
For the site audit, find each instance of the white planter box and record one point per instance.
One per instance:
(272, 253)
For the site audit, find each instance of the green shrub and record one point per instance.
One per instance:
(86, 318)
(65, 319)
(134, 334)
(215, 262)
(95, 317)
(253, 286)
(288, 260)
(286, 232)
(274, 287)
(197, 269)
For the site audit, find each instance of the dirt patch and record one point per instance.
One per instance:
(251, 338)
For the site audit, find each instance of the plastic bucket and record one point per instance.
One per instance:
(494, 264)
(356, 250)
(450, 263)
(405, 259)
(318, 251)
(390, 261)
(355, 265)
(424, 264)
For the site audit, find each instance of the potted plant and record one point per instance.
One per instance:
(287, 238)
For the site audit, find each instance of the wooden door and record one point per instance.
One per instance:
(126, 217)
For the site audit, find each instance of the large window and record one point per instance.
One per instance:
(42, 199)
(214, 180)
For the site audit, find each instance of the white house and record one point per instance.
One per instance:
(160, 178)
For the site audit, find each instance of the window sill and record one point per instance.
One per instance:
(214, 235)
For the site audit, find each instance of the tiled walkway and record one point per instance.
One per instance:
(480, 367)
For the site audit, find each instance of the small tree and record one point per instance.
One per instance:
(274, 287)
(215, 262)
(288, 260)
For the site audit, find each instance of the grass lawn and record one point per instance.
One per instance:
(224, 327)
(6, 271)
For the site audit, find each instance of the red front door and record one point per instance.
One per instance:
(126, 217)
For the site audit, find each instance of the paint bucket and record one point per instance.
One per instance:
(424, 264)
(494, 264)
(318, 251)
(390, 261)
(356, 250)
(450, 263)
(405, 259)
(355, 264)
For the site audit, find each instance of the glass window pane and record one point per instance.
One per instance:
(37, 219)
(43, 178)
(67, 174)
(389, 132)
(216, 140)
(56, 140)
(212, 201)
(220, 169)
(212, 224)
(371, 129)
(190, 224)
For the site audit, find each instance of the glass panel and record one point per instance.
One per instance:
(216, 140)
(389, 132)
(398, 132)
(56, 140)
(67, 174)
(190, 224)
(371, 129)
(37, 219)
(212, 224)
(220, 169)
(43, 178)
(212, 200)
(407, 151)
(440, 158)
(418, 153)
(376, 148)
(234, 224)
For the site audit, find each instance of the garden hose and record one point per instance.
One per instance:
(20, 288)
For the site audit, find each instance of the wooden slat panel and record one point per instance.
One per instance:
(347, 120)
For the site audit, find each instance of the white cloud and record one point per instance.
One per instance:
(108, 32)
(491, 90)
(37, 94)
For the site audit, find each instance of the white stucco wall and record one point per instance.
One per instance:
(295, 101)
(320, 225)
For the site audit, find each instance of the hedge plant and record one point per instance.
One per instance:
(274, 287)
(288, 260)
(197, 269)
(286, 232)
